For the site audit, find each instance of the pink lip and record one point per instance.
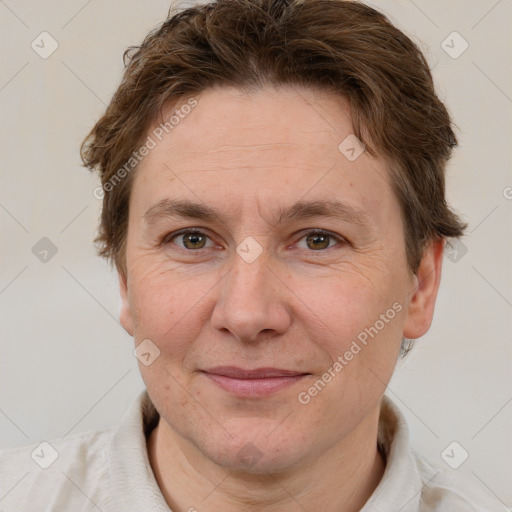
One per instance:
(253, 383)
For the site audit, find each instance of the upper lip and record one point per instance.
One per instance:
(257, 373)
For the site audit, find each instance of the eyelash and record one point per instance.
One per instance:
(171, 236)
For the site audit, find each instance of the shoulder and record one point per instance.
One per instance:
(445, 491)
(413, 484)
(56, 473)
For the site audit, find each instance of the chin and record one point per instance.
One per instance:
(256, 454)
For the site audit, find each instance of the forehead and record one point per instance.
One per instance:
(273, 146)
(288, 120)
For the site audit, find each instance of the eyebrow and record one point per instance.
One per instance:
(301, 210)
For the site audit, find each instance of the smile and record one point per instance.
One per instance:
(253, 383)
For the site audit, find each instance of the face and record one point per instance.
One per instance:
(255, 243)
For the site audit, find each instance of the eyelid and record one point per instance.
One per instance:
(319, 231)
(303, 233)
(185, 231)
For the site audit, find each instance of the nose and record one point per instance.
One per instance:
(252, 301)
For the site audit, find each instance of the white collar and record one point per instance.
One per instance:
(402, 487)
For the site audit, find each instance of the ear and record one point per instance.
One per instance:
(125, 314)
(425, 286)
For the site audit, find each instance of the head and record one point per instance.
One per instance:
(302, 146)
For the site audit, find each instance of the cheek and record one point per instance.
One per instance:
(363, 320)
(170, 308)
(156, 309)
(165, 316)
(363, 343)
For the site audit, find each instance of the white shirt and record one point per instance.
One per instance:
(109, 470)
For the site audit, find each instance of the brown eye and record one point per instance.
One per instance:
(190, 240)
(194, 241)
(318, 240)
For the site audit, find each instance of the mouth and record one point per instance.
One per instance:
(259, 382)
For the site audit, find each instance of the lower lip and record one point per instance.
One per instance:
(254, 387)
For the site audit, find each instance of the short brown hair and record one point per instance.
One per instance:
(340, 46)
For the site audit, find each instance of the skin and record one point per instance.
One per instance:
(298, 305)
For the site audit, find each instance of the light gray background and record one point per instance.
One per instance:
(67, 366)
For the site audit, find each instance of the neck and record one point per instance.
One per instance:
(339, 480)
